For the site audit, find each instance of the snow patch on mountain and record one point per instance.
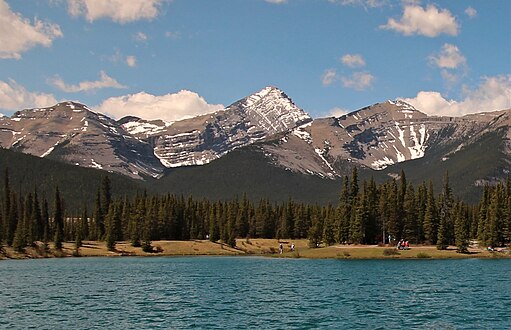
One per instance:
(141, 127)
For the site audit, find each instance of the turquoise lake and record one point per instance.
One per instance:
(254, 293)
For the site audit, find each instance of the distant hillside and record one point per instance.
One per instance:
(77, 184)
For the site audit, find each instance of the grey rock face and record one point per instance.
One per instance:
(377, 137)
(202, 139)
(73, 133)
(374, 137)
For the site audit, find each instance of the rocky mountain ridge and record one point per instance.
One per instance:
(375, 137)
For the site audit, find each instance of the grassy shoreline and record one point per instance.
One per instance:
(252, 247)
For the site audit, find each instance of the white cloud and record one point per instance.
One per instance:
(429, 22)
(337, 112)
(358, 81)
(329, 77)
(131, 61)
(449, 57)
(452, 63)
(120, 11)
(471, 12)
(16, 97)
(18, 34)
(118, 57)
(494, 93)
(168, 107)
(277, 2)
(105, 81)
(140, 37)
(353, 60)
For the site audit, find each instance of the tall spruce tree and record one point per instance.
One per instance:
(410, 228)
(461, 228)
(445, 229)
(343, 214)
(431, 217)
(58, 221)
(110, 230)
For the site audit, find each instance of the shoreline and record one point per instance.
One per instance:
(252, 247)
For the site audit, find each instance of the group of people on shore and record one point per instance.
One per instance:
(403, 245)
(281, 248)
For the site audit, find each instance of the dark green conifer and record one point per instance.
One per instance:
(461, 228)
(431, 217)
(58, 221)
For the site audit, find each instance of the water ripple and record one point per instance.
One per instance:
(254, 293)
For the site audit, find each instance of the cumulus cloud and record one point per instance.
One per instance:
(353, 60)
(131, 61)
(277, 2)
(18, 34)
(105, 81)
(471, 12)
(452, 63)
(120, 11)
(494, 93)
(358, 81)
(118, 57)
(168, 107)
(429, 22)
(14, 96)
(337, 112)
(329, 77)
(449, 57)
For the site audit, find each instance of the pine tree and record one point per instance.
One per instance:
(343, 214)
(38, 230)
(445, 216)
(98, 230)
(46, 224)
(328, 226)
(358, 220)
(431, 217)
(383, 212)
(300, 227)
(484, 206)
(106, 195)
(110, 230)
(58, 221)
(12, 221)
(20, 238)
(242, 217)
(146, 234)
(315, 231)
(410, 230)
(394, 222)
(4, 227)
(84, 224)
(461, 228)
(214, 232)
(495, 228)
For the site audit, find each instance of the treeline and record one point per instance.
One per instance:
(367, 213)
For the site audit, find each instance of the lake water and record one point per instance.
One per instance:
(256, 293)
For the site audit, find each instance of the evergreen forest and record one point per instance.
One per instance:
(366, 213)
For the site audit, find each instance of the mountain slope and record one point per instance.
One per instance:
(73, 133)
(202, 139)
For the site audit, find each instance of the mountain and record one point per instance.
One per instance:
(202, 139)
(227, 153)
(71, 132)
(380, 136)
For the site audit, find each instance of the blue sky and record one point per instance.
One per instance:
(172, 59)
